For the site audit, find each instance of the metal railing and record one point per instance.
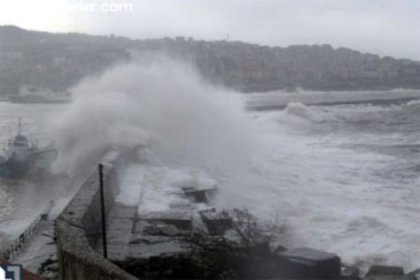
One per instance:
(18, 244)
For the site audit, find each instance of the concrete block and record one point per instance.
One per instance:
(181, 219)
(148, 248)
(181, 205)
(381, 272)
(200, 195)
(308, 263)
(216, 222)
(163, 230)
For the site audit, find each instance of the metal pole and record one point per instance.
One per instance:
(101, 186)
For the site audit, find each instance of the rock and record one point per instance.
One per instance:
(308, 263)
(380, 272)
(216, 222)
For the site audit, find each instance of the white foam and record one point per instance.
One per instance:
(357, 204)
(131, 185)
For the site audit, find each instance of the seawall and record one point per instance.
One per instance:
(78, 228)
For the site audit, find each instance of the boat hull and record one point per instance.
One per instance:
(14, 169)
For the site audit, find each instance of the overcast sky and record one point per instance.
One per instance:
(385, 27)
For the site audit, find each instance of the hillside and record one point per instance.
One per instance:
(59, 61)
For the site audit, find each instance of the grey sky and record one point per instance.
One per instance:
(385, 27)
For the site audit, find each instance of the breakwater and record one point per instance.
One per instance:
(78, 228)
(78, 238)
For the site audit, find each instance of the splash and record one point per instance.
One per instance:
(159, 104)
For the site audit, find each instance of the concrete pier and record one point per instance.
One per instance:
(143, 236)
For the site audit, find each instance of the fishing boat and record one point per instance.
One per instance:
(22, 157)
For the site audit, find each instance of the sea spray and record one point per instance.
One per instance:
(159, 104)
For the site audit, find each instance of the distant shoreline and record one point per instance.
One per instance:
(237, 65)
(279, 101)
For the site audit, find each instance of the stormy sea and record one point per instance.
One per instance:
(342, 178)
